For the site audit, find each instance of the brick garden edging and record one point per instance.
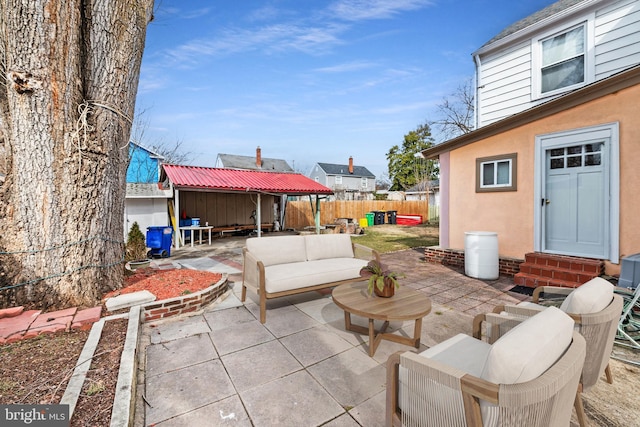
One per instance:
(185, 303)
(455, 258)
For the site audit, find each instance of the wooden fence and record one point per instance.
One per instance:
(299, 214)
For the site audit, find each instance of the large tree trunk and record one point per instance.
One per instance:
(71, 70)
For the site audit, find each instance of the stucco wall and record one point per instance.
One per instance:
(511, 214)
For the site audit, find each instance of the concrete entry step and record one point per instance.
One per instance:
(129, 300)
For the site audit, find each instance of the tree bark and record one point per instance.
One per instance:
(71, 70)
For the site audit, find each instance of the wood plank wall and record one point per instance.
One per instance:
(299, 215)
(225, 209)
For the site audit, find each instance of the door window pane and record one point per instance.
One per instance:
(574, 161)
(557, 163)
(592, 160)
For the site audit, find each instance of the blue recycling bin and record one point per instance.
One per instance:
(159, 240)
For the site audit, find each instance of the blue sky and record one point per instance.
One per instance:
(306, 80)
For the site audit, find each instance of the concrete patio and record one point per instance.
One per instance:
(301, 368)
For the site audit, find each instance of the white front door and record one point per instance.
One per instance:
(574, 203)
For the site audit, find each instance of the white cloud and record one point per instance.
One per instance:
(346, 67)
(356, 10)
(266, 13)
(270, 39)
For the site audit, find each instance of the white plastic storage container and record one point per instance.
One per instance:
(481, 255)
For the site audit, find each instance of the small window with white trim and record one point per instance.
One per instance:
(338, 179)
(364, 182)
(496, 173)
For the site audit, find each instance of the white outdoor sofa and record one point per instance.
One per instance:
(287, 265)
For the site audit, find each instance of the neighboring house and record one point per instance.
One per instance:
(553, 165)
(259, 163)
(232, 161)
(145, 202)
(349, 182)
(427, 190)
(144, 164)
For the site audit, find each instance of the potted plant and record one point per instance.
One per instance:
(136, 248)
(382, 281)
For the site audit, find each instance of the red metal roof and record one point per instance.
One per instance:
(233, 180)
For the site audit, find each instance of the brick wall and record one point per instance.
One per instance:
(455, 258)
(185, 303)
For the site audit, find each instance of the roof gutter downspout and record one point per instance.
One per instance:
(478, 79)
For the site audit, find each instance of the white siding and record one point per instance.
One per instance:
(505, 80)
(617, 37)
(146, 212)
(505, 83)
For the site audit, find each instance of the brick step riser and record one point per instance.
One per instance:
(556, 274)
(582, 265)
(530, 281)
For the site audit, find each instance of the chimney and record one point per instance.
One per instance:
(259, 158)
(351, 165)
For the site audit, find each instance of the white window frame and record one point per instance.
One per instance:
(512, 160)
(589, 57)
(338, 180)
(364, 182)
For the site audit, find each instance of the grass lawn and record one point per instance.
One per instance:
(389, 238)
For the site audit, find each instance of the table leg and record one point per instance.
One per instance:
(417, 330)
(209, 237)
(347, 321)
(373, 343)
(193, 236)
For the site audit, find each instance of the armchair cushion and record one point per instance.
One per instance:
(529, 349)
(462, 352)
(591, 297)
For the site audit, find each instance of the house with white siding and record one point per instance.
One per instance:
(348, 182)
(565, 46)
(145, 201)
(552, 165)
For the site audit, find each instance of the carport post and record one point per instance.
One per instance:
(317, 214)
(259, 217)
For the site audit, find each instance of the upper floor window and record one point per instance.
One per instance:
(562, 60)
(364, 182)
(338, 179)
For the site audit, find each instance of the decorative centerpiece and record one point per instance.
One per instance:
(382, 281)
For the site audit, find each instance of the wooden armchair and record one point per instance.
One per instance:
(598, 328)
(528, 377)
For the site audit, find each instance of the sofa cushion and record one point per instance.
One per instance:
(284, 277)
(591, 297)
(278, 249)
(326, 246)
(529, 349)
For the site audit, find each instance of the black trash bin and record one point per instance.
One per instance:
(391, 217)
(378, 219)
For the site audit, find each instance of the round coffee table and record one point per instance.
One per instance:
(406, 304)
